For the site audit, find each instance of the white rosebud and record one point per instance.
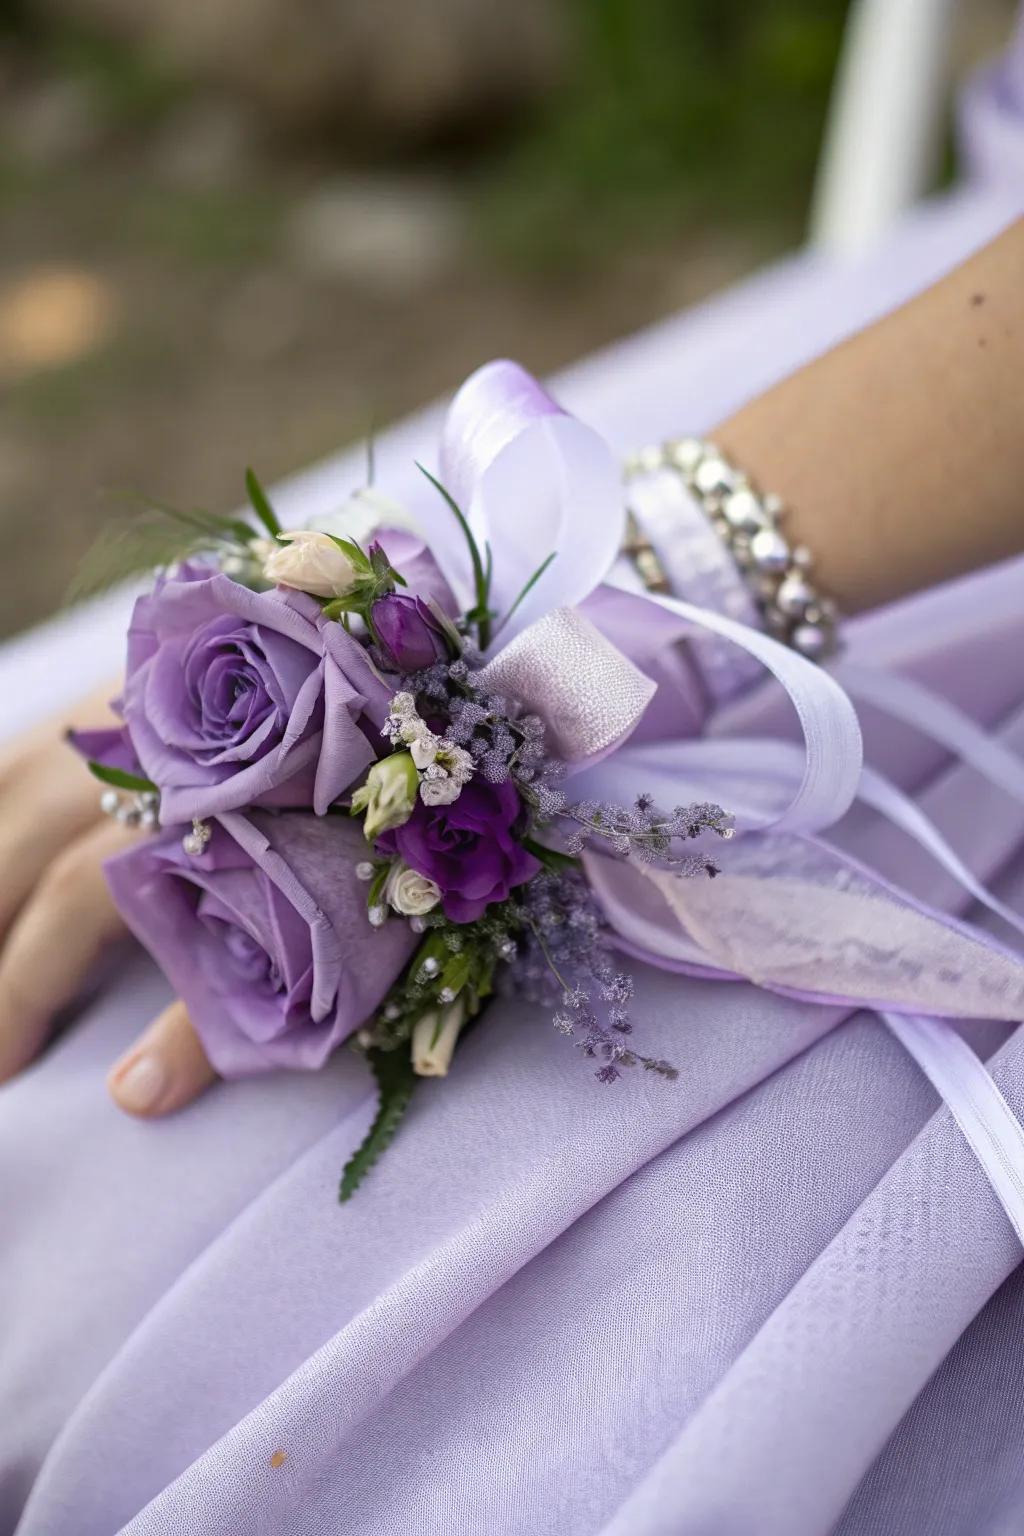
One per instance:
(311, 562)
(410, 893)
(434, 1037)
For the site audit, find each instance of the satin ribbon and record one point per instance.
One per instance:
(531, 480)
(990, 1127)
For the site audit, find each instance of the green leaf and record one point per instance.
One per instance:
(155, 535)
(342, 605)
(120, 779)
(395, 1083)
(351, 550)
(538, 573)
(377, 884)
(261, 504)
(481, 576)
(549, 857)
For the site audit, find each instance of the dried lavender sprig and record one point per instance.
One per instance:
(641, 831)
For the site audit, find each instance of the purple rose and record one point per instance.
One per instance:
(236, 698)
(265, 936)
(411, 636)
(467, 847)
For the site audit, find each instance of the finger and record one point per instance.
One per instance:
(49, 801)
(165, 1069)
(55, 942)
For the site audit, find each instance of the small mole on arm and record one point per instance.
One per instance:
(278, 1459)
(976, 299)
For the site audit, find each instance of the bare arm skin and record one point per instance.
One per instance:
(900, 454)
(901, 457)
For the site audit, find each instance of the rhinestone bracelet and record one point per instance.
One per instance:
(776, 575)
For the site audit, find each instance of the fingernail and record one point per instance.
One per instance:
(139, 1085)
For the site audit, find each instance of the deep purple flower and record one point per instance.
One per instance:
(265, 936)
(411, 636)
(467, 848)
(236, 698)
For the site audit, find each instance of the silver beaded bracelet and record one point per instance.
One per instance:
(776, 575)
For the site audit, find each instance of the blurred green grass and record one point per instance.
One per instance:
(709, 110)
(670, 112)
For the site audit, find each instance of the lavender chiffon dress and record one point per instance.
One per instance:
(778, 1297)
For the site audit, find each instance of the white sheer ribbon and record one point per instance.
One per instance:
(961, 1079)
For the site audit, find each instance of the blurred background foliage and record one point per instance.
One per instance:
(245, 230)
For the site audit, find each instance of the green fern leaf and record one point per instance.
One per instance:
(395, 1083)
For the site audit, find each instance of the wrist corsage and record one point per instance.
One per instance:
(384, 775)
(359, 757)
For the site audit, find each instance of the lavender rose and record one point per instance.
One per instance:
(466, 848)
(265, 936)
(236, 698)
(409, 633)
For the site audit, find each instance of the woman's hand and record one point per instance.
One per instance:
(57, 917)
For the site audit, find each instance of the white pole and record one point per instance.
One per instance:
(885, 119)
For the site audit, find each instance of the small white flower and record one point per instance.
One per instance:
(444, 791)
(424, 749)
(457, 761)
(434, 1037)
(311, 562)
(410, 893)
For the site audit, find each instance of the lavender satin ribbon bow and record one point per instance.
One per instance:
(532, 479)
(791, 913)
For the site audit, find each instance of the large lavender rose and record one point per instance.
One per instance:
(265, 936)
(467, 848)
(236, 698)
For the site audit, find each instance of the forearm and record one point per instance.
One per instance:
(900, 454)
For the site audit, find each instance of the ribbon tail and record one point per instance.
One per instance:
(882, 795)
(910, 702)
(964, 1083)
(833, 750)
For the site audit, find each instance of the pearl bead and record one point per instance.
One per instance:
(193, 845)
(685, 454)
(744, 512)
(712, 477)
(149, 819)
(418, 924)
(377, 916)
(809, 640)
(391, 1012)
(793, 596)
(645, 461)
(364, 870)
(769, 550)
(364, 1038)
(446, 995)
(110, 801)
(430, 966)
